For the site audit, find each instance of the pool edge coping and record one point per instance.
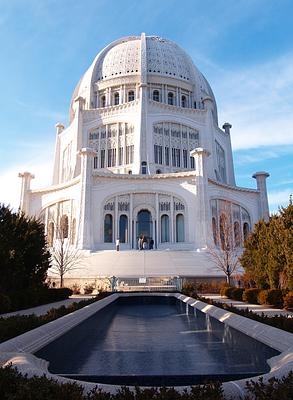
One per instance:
(18, 351)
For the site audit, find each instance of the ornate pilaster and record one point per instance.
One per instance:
(26, 178)
(85, 234)
(142, 145)
(263, 196)
(202, 201)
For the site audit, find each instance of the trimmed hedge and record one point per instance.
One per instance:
(250, 295)
(36, 297)
(5, 303)
(236, 294)
(14, 386)
(226, 291)
(277, 321)
(18, 324)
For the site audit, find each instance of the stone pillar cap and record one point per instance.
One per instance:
(26, 174)
(87, 151)
(200, 150)
(227, 125)
(261, 173)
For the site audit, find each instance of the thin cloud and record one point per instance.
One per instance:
(257, 101)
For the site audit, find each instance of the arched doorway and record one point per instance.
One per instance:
(144, 225)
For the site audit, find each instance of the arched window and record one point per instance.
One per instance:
(116, 98)
(165, 229)
(192, 163)
(237, 237)
(179, 228)
(143, 167)
(103, 101)
(156, 95)
(64, 227)
(183, 101)
(215, 231)
(131, 95)
(50, 234)
(123, 229)
(73, 231)
(158, 171)
(130, 172)
(170, 98)
(108, 228)
(246, 230)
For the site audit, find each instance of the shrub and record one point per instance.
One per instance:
(288, 300)
(236, 294)
(227, 291)
(189, 290)
(31, 298)
(272, 296)
(75, 288)
(88, 289)
(274, 389)
(250, 295)
(275, 297)
(262, 297)
(5, 303)
(14, 386)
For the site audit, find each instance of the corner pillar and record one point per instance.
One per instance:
(85, 231)
(26, 178)
(202, 201)
(263, 196)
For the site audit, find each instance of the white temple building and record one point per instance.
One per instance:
(143, 155)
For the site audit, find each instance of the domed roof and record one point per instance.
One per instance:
(138, 55)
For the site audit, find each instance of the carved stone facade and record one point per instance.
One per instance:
(144, 157)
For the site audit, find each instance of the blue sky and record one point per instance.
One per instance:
(243, 47)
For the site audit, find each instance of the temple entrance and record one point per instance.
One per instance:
(144, 226)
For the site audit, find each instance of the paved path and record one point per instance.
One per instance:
(256, 308)
(41, 310)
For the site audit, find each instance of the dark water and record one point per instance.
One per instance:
(155, 341)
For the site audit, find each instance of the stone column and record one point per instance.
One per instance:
(172, 219)
(26, 178)
(57, 162)
(85, 223)
(263, 196)
(202, 201)
(229, 156)
(116, 220)
(131, 221)
(157, 241)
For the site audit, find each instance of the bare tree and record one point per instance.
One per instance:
(64, 256)
(225, 254)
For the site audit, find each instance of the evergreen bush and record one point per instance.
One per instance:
(250, 295)
(288, 300)
(225, 291)
(5, 303)
(272, 297)
(236, 294)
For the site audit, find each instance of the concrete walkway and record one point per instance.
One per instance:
(41, 310)
(256, 308)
